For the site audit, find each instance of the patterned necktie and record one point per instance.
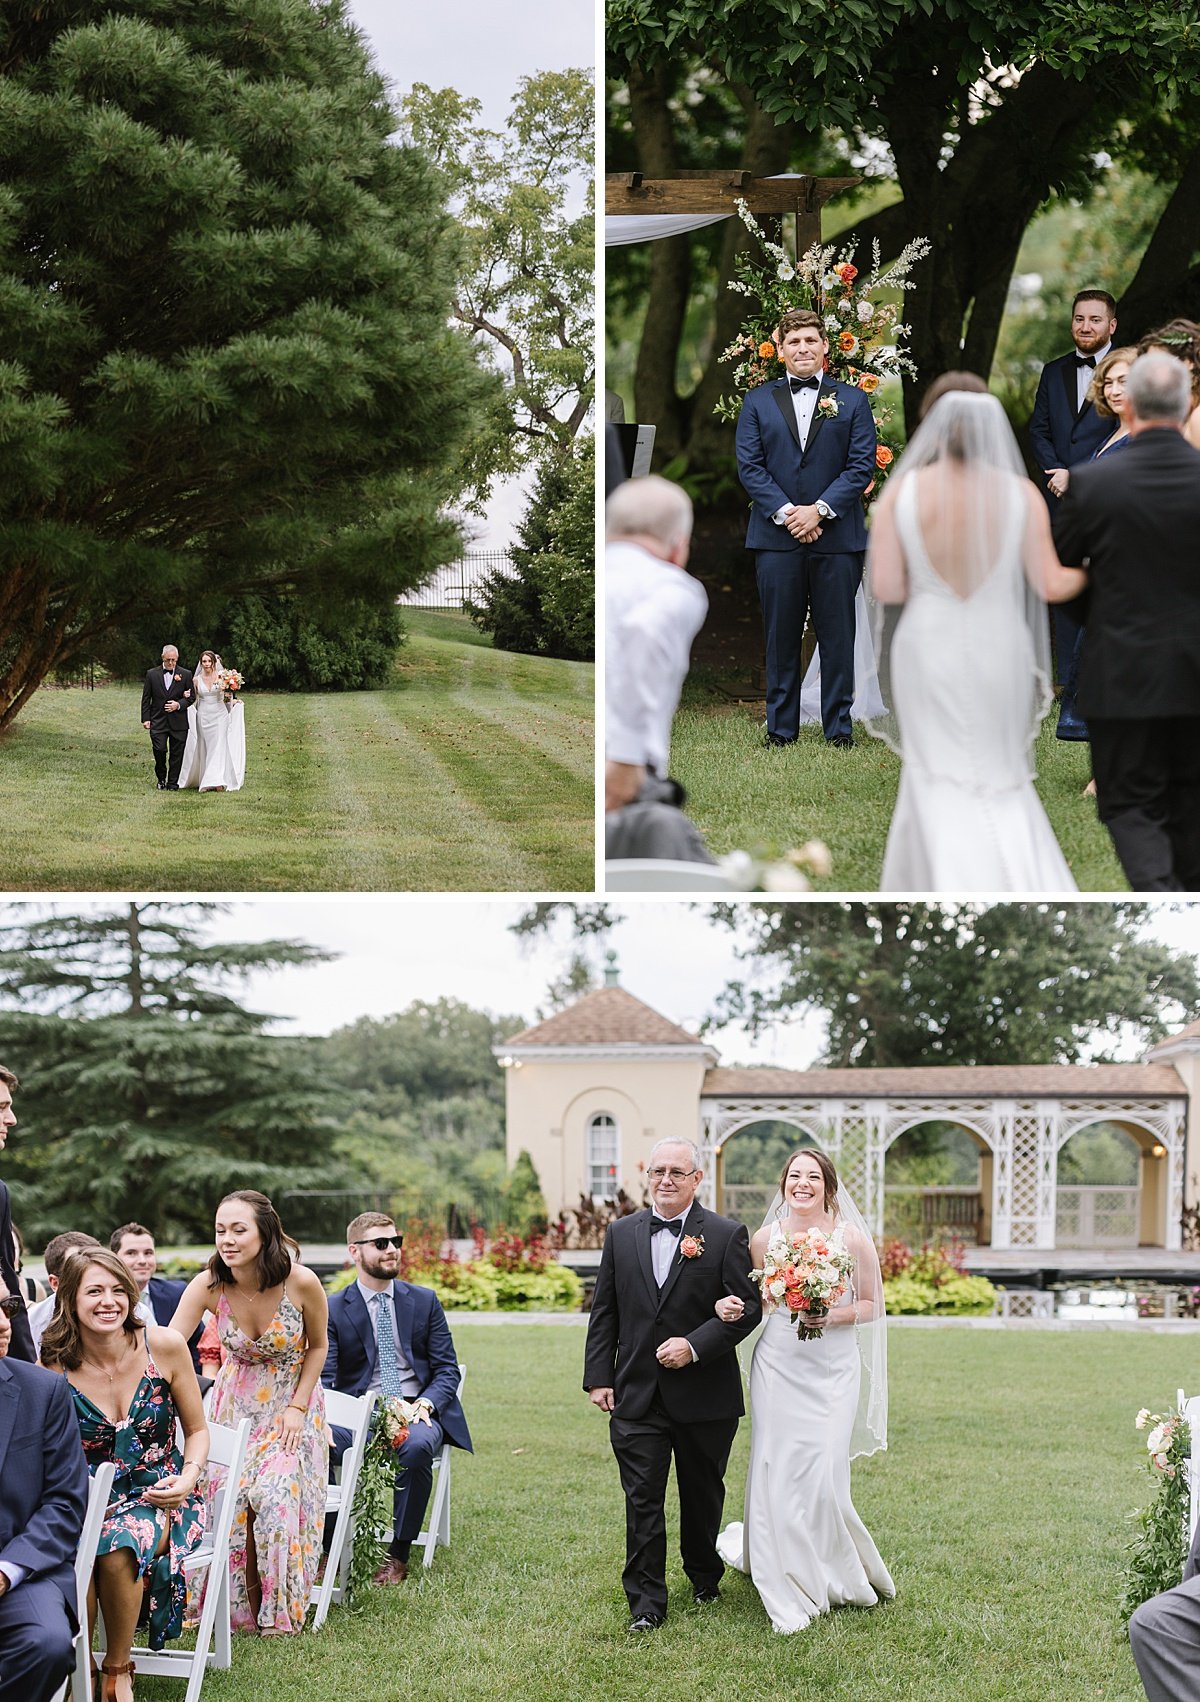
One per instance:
(385, 1342)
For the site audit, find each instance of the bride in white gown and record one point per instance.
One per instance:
(962, 563)
(214, 758)
(813, 1406)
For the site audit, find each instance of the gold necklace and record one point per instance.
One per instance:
(99, 1369)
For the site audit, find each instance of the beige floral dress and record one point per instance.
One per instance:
(286, 1492)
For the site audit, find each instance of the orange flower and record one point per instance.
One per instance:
(766, 351)
(847, 342)
(883, 456)
(847, 273)
(868, 382)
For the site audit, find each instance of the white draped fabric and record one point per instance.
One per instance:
(622, 228)
(867, 700)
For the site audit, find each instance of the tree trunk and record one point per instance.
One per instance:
(656, 397)
(1166, 283)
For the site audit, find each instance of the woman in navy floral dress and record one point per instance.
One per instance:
(130, 1384)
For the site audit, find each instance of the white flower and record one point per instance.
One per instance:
(738, 868)
(865, 310)
(844, 305)
(831, 322)
(1156, 1438)
(781, 877)
(1142, 1419)
(1160, 1461)
(786, 272)
(831, 281)
(814, 855)
(778, 1288)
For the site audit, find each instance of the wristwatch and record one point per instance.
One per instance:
(824, 510)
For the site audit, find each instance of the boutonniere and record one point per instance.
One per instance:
(691, 1246)
(828, 407)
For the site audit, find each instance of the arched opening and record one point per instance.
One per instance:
(1111, 1187)
(937, 1185)
(749, 1165)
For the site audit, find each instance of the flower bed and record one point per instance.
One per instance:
(509, 1274)
(934, 1281)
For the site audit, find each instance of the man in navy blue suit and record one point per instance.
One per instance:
(806, 454)
(21, 1342)
(1064, 431)
(43, 1497)
(392, 1337)
(134, 1246)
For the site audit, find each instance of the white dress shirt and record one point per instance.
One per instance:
(664, 1250)
(652, 612)
(1085, 374)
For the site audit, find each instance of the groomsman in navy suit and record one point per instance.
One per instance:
(393, 1337)
(1064, 431)
(43, 1495)
(806, 454)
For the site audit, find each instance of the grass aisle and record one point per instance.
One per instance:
(1000, 1509)
(742, 796)
(472, 769)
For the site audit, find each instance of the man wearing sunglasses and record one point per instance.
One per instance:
(21, 1343)
(392, 1337)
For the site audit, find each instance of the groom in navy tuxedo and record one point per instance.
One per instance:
(1065, 431)
(806, 454)
(393, 1337)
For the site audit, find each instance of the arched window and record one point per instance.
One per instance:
(603, 1157)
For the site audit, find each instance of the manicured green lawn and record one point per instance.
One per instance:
(1000, 1509)
(472, 769)
(742, 796)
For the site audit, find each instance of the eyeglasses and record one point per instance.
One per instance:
(11, 1305)
(659, 1174)
(381, 1243)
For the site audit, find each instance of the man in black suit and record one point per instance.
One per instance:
(393, 1337)
(166, 698)
(662, 1363)
(158, 1296)
(1133, 521)
(21, 1343)
(1064, 432)
(43, 1495)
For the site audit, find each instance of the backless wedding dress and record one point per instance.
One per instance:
(963, 687)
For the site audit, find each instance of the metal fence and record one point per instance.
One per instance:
(453, 584)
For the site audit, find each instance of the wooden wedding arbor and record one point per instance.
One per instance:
(700, 193)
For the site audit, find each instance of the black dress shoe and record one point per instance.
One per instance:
(706, 1593)
(645, 1622)
(841, 742)
(773, 742)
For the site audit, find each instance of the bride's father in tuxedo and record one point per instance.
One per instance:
(166, 698)
(1133, 520)
(1064, 431)
(806, 454)
(662, 1364)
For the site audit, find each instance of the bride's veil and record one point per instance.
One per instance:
(869, 1431)
(960, 497)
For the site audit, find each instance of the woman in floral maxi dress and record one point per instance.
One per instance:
(272, 1322)
(130, 1384)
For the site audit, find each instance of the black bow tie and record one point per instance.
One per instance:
(804, 383)
(671, 1225)
(1085, 360)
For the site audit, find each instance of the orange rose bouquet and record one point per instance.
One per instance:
(806, 1274)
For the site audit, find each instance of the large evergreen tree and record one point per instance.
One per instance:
(225, 352)
(147, 1091)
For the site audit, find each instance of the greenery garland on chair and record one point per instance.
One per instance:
(1159, 1550)
(374, 1493)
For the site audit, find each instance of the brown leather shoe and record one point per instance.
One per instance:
(392, 1571)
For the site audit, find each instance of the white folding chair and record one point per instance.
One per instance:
(664, 874)
(353, 1413)
(1190, 1409)
(437, 1531)
(214, 1644)
(79, 1685)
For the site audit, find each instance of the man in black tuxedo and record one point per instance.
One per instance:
(1133, 522)
(21, 1343)
(166, 698)
(157, 1296)
(1064, 432)
(43, 1495)
(393, 1337)
(662, 1363)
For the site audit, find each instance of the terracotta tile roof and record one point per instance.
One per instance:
(1191, 1032)
(607, 1017)
(1001, 1081)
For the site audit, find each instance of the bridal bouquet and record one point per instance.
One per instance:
(231, 681)
(806, 1273)
(373, 1496)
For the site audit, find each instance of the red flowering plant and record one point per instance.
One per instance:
(866, 335)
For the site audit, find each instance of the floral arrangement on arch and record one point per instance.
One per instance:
(866, 335)
(1157, 1553)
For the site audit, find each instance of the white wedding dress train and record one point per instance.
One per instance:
(967, 817)
(802, 1543)
(867, 701)
(215, 754)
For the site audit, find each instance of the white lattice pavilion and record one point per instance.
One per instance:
(590, 1090)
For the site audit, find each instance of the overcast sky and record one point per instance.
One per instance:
(395, 950)
(482, 50)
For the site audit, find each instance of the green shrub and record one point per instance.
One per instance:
(903, 1294)
(966, 1296)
